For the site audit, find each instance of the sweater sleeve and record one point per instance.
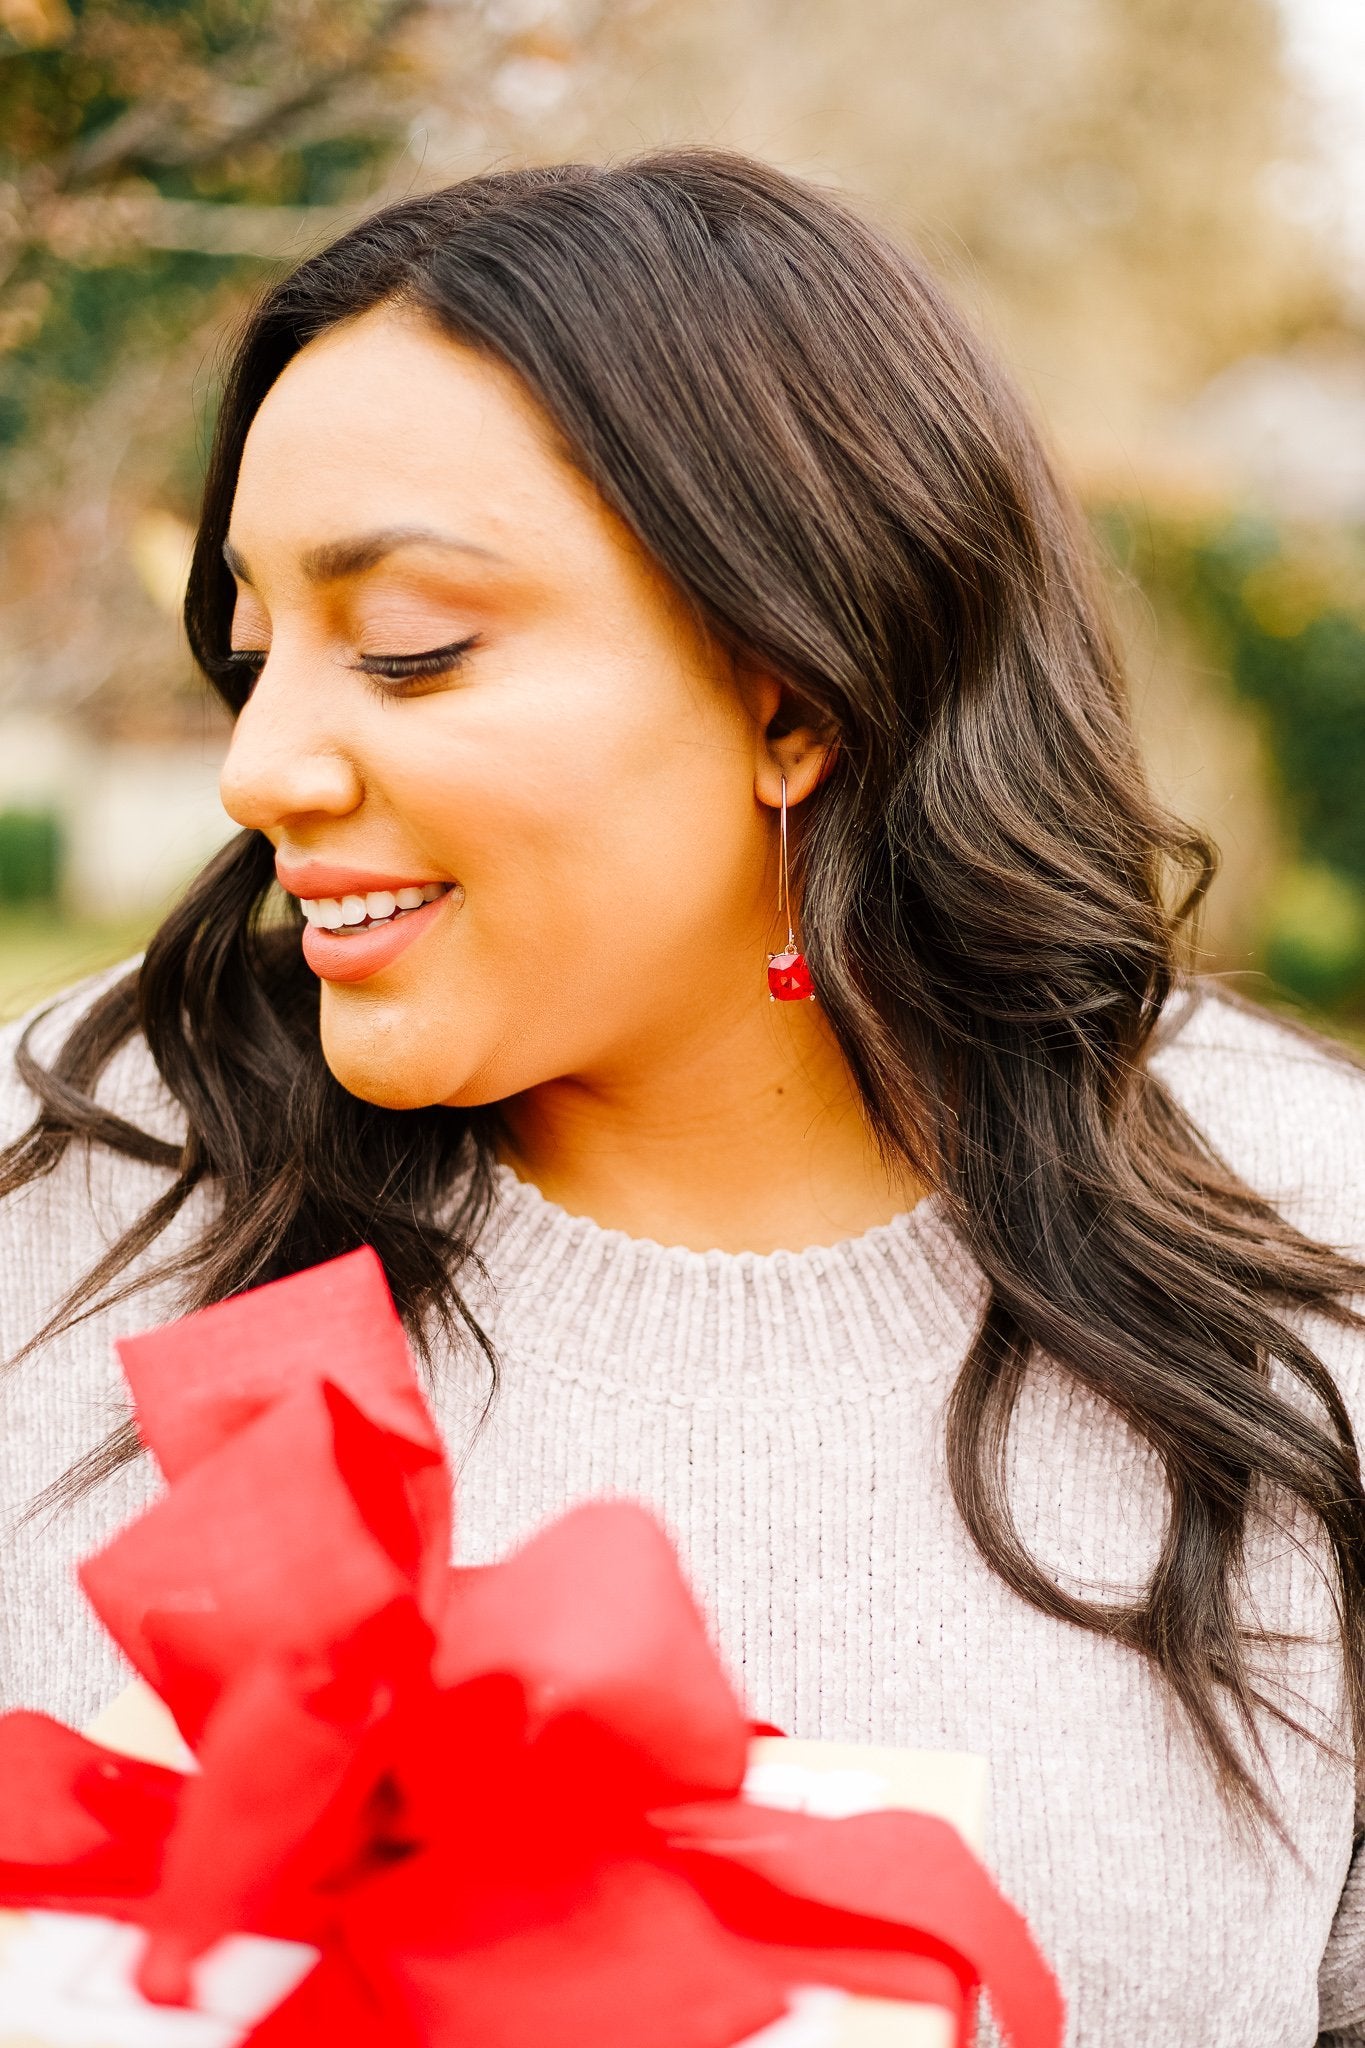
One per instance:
(1288, 1114)
(1341, 1981)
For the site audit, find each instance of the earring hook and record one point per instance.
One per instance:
(784, 908)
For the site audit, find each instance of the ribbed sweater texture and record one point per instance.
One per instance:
(784, 1413)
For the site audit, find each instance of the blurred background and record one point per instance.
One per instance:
(1155, 208)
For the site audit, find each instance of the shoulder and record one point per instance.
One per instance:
(130, 1084)
(1282, 1107)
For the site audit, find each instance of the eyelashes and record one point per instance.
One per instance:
(396, 669)
(399, 668)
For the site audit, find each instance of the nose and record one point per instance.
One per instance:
(285, 762)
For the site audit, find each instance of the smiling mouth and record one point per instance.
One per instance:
(342, 915)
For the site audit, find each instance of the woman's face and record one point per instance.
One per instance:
(579, 785)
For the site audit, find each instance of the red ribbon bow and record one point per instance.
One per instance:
(504, 1801)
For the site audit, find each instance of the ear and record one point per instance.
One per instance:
(791, 739)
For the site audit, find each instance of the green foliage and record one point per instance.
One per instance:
(121, 103)
(96, 317)
(1315, 934)
(1293, 618)
(30, 857)
(1281, 608)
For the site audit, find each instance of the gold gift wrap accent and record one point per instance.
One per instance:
(951, 1784)
(887, 2023)
(947, 1783)
(139, 1724)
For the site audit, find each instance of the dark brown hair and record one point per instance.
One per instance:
(811, 443)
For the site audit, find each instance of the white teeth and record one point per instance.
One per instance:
(350, 912)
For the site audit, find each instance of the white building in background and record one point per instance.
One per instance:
(136, 819)
(1286, 432)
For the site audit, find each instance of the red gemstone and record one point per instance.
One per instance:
(789, 978)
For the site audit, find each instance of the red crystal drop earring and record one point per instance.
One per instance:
(788, 975)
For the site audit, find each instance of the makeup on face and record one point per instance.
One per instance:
(493, 693)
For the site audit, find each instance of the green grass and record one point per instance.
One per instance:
(42, 951)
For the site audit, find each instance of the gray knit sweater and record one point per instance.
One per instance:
(784, 1412)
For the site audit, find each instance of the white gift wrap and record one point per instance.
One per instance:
(66, 1979)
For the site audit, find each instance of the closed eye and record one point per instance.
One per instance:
(399, 667)
(394, 668)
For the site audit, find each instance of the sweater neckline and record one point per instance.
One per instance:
(521, 1200)
(924, 1234)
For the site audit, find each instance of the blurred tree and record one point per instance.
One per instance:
(1112, 182)
(152, 154)
(157, 159)
(1280, 609)
(30, 857)
(147, 147)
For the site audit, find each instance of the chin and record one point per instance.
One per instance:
(379, 1058)
(384, 1089)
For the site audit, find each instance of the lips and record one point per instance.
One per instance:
(356, 923)
(317, 878)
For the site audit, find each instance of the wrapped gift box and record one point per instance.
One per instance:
(66, 1979)
(515, 1787)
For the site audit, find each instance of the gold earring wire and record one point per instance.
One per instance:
(784, 904)
(788, 975)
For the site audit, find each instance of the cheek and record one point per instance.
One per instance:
(591, 848)
(547, 847)
(550, 838)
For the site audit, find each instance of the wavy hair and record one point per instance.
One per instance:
(815, 448)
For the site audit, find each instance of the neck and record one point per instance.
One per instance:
(742, 1135)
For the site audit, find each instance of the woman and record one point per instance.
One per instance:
(576, 544)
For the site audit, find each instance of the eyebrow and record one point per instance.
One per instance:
(334, 559)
